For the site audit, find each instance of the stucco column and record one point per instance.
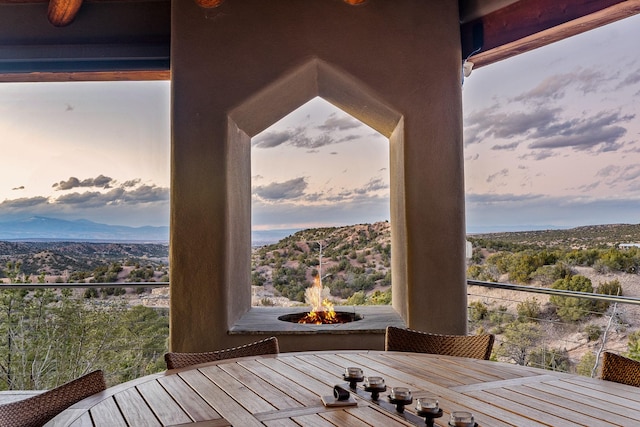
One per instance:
(395, 65)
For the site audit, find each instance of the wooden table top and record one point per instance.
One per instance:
(285, 390)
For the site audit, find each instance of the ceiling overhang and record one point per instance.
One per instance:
(60, 40)
(520, 26)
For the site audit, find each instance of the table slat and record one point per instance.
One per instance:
(135, 410)
(295, 391)
(284, 390)
(191, 402)
(162, 404)
(225, 405)
(107, 414)
(268, 391)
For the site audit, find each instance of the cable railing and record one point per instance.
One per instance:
(89, 325)
(61, 285)
(554, 328)
(560, 292)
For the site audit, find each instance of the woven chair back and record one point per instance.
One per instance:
(620, 369)
(37, 410)
(473, 346)
(181, 360)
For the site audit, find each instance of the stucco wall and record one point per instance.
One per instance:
(393, 64)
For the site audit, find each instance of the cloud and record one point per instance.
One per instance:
(131, 183)
(297, 138)
(92, 199)
(502, 173)
(555, 87)
(631, 79)
(147, 194)
(116, 196)
(272, 139)
(26, 202)
(335, 123)
(608, 171)
(291, 189)
(492, 123)
(586, 133)
(536, 211)
(552, 87)
(100, 181)
(546, 130)
(493, 198)
(303, 136)
(18, 188)
(508, 147)
(373, 185)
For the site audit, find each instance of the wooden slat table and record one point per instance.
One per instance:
(284, 390)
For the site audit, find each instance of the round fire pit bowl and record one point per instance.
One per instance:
(340, 317)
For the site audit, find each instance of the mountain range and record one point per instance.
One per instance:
(37, 228)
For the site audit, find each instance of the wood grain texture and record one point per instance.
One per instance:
(285, 390)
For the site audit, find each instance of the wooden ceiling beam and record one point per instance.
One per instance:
(529, 24)
(208, 4)
(62, 12)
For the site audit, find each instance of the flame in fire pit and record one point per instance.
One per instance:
(322, 311)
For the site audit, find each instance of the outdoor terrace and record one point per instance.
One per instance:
(548, 342)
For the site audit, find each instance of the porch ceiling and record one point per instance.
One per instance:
(59, 40)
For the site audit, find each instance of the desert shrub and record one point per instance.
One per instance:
(500, 261)
(499, 316)
(266, 302)
(528, 309)
(586, 364)
(593, 332)
(562, 270)
(633, 345)
(600, 267)
(522, 265)
(518, 338)
(545, 275)
(257, 278)
(478, 311)
(91, 293)
(480, 272)
(358, 298)
(553, 359)
(607, 288)
(571, 309)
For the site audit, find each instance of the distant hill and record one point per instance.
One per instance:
(81, 259)
(589, 236)
(37, 228)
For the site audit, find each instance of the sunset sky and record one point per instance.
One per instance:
(551, 140)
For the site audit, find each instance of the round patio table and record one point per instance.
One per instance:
(287, 390)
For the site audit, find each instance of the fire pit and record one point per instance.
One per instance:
(321, 317)
(322, 312)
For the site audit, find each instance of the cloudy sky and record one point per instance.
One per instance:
(551, 140)
(319, 167)
(85, 150)
(551, 136)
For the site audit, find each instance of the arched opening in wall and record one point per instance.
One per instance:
(320, 195)
(313, 79)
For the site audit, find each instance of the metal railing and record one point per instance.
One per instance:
(549, 340)
(560, 292)
(603, 330)
(54, 285)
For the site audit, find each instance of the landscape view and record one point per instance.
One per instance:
(551, 170)
(554, 332)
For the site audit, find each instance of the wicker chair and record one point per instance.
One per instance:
(620, 369)
(37, 410)
(180, 360)
(473, 346)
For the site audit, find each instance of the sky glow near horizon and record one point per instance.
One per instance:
(551, 140)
